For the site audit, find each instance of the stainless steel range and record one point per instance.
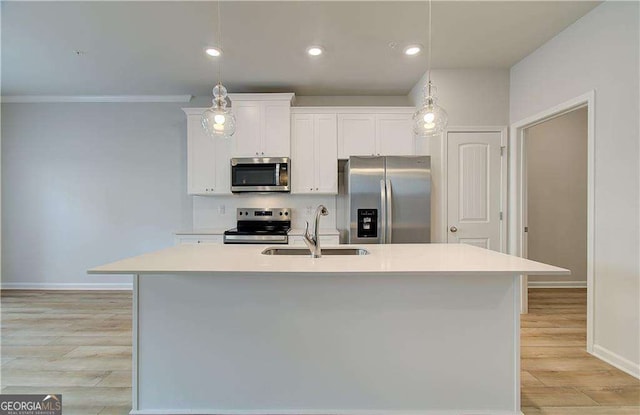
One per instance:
(260, 226)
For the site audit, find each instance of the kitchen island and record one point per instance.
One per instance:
(406, 329)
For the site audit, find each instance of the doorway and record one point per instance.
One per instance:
(518, 217)
(555, 197)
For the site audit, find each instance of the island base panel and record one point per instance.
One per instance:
(326, 344)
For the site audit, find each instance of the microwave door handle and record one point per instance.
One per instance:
(276, 181)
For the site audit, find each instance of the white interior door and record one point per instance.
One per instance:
(474, 187)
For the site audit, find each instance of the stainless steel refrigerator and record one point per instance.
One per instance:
(386, 200)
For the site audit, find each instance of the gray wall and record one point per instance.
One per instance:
(601, 52)
(86, 184)
(472, 98)
(556, 160)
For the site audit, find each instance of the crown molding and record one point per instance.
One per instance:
(23, 99)
(275, 96)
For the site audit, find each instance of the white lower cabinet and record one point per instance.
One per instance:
(314, 154)
(198, 239)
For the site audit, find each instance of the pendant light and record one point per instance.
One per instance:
(219, 121)
(429, 120)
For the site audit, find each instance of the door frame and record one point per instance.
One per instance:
(444, 154)
(517, 193)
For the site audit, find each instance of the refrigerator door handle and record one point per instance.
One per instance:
(389, 220)
(383, 212)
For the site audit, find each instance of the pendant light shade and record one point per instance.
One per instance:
(430, 120)
(219, 121)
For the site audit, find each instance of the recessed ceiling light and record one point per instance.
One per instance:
(315, 50)
(213, 52)
(412, 50)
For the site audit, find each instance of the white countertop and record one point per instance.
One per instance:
(395, 259)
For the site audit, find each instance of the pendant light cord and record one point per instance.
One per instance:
(429, 52)
(219, 44)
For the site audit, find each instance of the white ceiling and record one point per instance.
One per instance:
(156, 48)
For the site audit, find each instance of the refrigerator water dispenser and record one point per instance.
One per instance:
(367, 223)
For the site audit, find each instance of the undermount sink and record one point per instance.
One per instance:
(307, 252)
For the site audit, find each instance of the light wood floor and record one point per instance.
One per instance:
(79, 344)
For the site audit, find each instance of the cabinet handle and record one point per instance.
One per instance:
(316, 188)
(311, 189)
(262, 153)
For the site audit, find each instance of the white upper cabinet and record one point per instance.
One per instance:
(246, 140)
(356, 135)
(207, 159)
(326, 150)
(302, 153)
(277, 128)
(314, 157)
(378, 134)
(263, 125)
(394, 135)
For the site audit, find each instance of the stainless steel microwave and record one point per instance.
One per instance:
(260, 174)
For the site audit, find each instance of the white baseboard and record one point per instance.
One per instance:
(616, 360)
(62, 286)
(557, 284)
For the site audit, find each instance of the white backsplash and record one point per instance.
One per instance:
(220, 211)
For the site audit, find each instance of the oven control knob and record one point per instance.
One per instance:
(246, 213)
(240, 213)
(286, 213)
(280, 213)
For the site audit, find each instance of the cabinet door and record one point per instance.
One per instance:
(394, 135)
(247, 138)
(423, 146)
(276, 122)
(223, 150)
(302, 150)
(198, 239)
(326, 150)
(356, 135)
(201, 173)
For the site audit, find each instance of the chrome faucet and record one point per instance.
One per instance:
(313, 240)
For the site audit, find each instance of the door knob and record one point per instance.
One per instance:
(453, 229)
